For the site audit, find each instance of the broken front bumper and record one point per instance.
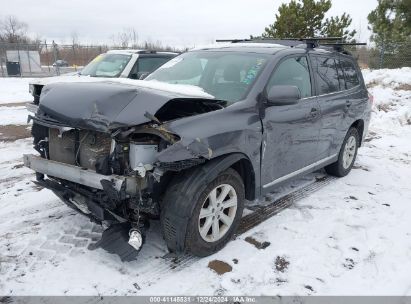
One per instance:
(79, 175)
(120, 238)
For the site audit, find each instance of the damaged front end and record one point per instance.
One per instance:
(112, 163)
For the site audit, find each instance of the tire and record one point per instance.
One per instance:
(182, 227)
(347, 155)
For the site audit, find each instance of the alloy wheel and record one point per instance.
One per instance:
(217, 213)
(349, 152)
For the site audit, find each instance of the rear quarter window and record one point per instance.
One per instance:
(351, 75)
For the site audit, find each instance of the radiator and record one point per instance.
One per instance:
(91, 146)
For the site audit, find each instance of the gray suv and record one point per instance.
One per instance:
(208, 130)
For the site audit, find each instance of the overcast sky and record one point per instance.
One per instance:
(177, 23)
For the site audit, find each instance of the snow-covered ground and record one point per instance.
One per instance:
(13, 90)
(350, 237)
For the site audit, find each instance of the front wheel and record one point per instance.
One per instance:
(347, 155)
(215, 216)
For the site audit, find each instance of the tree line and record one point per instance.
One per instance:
(389, 22)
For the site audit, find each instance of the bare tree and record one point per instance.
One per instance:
(12, 30)
(123, 39)
(126, 38)
(133, 37)
(74, 38)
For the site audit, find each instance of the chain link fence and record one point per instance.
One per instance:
(49, 59)
(386, 56)
(39, 60)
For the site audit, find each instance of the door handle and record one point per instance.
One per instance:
(348, 103)
(314, 112)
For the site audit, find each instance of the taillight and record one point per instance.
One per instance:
(370, 98)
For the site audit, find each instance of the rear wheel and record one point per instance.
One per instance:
(347, 155)
(215, 216)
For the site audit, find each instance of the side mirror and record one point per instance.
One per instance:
(281, 95)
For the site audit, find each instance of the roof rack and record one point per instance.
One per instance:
(310, 43)
(339, 46)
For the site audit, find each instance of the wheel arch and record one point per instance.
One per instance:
(175, 211)
(359, 125)
(240, 163)
(245, 168)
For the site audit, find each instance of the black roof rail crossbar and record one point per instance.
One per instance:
(273, 38)
(310, 42)
(344, 43)
(339, 46)
(292, 42)
(233, 40)
(286, 42)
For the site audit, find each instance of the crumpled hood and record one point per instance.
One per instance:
(104, 106)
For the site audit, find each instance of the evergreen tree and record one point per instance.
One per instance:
(390, 22)
(305, 18)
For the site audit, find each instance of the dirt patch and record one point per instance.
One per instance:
(219, 266)
(310, 288)
(401, 87)
(14, 132)
(281, 264)
(371, 136)
(320, 178)
(257, 244)
(361, 167)
(280, 281)
(18, 166)
(386, 107)
(404, 87)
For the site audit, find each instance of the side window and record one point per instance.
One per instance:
(147, 65)
(326, 74)
(341, 78)
(293, 71)
(351, 77)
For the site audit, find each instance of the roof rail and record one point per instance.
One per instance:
(339, 46)
(310, 43)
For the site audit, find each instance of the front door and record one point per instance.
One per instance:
(291, 132)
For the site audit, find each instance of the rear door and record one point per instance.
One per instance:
(356, 94)
(290, 131)
(334, 103)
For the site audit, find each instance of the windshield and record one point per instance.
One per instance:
(225, 75)
(106, 65)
